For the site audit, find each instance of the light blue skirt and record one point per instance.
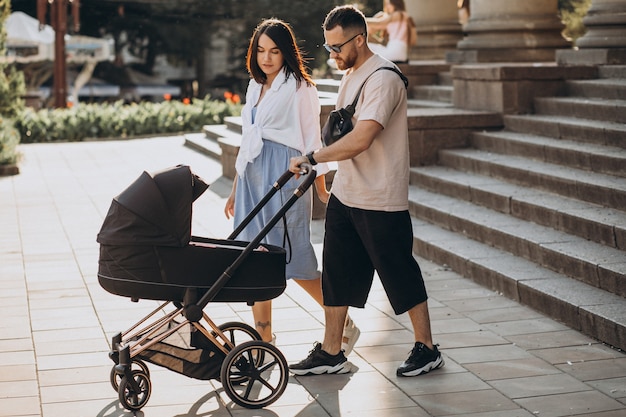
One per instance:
(257, 181)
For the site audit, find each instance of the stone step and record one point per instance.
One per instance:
(589, 157)
(423, 72)
(234, 124)
(424, 104)
(612, 71)
(583, 219)
(445, 78)
(203, 144)
(570, 182)
(216, 132)
(452, 118)
(419, 73)
(562, 127)
(585, 108)
(328, 85)
(595, 312)
(589, 262)
(432, 129)
(441, 93)
(606, 88)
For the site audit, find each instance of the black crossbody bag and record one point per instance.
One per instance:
(339, 121)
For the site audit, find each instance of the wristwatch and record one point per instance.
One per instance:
(312, 160)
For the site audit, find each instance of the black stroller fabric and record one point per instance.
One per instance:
(147, 251)
(154, 210)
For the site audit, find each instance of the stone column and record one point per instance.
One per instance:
(511, 31)
(605, 40)
(438, 28)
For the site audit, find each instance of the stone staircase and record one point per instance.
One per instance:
(437, 94)
(536, 211)
(531, 206)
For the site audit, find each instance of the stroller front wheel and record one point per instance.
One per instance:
(250, 383)
(135, 393)
(116, 377)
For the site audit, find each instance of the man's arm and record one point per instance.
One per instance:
(349, 146)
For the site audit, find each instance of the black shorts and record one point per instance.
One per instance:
(357, 242)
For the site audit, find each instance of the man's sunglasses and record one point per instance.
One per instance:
(337, 48)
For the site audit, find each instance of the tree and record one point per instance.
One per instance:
(185, 30)
(11, 102)
(11, 81)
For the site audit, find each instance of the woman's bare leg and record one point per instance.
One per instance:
(262, 312)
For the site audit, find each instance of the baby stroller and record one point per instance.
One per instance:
(147, 252)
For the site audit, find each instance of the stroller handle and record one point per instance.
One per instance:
(280, 182)
(229, 272)
(304, 169)
(309, 171)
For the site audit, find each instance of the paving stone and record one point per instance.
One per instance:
(467, 339)
(569, 404)
(462, 403)
(487, 354)
(515, 368)
(517, 327)
(550, 339)
(535, 386)
(595, 370)
(20, 406)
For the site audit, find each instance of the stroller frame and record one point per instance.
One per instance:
(222, 354)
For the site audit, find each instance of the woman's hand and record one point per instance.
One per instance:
(322, 191)
(229, 208)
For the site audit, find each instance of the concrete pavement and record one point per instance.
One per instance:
(502, 359)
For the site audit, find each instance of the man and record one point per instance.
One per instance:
(368, 226)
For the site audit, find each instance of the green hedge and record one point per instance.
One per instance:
(119, 120)
(9, 139)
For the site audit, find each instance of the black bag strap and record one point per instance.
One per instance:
(394, 69)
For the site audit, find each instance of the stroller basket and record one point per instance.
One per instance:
(186, 352)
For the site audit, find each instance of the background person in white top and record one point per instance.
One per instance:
(394, 21)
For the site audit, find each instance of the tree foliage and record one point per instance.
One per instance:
(572, 13)
(11, 81)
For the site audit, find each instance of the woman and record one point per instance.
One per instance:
(393, 20)
(281, 119)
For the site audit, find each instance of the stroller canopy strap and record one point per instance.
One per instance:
(154, 210)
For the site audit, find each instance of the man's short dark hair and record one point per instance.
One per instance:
(348, 17)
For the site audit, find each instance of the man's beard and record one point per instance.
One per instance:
(346, 63)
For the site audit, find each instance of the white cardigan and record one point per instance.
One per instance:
(286, 115)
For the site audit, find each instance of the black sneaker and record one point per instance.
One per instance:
(319, 362)
(420, 361)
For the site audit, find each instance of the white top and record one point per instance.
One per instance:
(286, 115)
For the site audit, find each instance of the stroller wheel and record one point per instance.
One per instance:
(252, 384)
(135, 394)
(115, 377)
(238, 333)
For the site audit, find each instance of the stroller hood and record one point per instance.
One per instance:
(154, 210)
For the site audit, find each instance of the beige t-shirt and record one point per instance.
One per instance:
(378, 178)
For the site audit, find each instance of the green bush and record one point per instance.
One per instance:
(572, 13)
(118, 120)
(9, 139)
